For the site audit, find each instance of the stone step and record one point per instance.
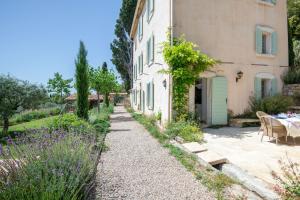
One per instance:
(212, 158)
(194, 147)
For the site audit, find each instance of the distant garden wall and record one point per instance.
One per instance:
(291, 89)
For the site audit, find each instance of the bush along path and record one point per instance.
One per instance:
(136, 166)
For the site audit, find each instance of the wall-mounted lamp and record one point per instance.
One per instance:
(164, 83)
(239, 75)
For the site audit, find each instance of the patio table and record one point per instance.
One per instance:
(292, 125)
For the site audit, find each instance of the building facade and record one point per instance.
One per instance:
(249, 38)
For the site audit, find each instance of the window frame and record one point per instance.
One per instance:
(264, 30)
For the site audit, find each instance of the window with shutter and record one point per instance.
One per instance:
(266, 41)
(150, 9)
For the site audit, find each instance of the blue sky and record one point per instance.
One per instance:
(40, 37)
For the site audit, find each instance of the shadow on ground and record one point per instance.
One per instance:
(230, 132)
(122, 119)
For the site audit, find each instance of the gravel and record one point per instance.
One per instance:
(137, 167)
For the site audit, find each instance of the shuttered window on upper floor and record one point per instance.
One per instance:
(150, 9)
(266, 41)
(140, 27)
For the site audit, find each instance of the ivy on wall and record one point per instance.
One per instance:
(185, 62)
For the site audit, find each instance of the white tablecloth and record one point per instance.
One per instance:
(292, 125)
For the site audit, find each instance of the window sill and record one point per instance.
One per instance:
(265, 3)
(265, 55)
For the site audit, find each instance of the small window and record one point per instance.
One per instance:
(266, 86)
(266, 43)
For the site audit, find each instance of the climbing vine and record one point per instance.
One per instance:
(185, 62)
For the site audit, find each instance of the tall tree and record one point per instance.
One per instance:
(122, 46)
(82, 82)
(15, 93)
(59, 87)
(104, 66)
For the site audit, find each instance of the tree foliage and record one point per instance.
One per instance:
(59, 87)
(82, 82)
(15, 94)
(186, 63)
(122, 46)
(103, 82)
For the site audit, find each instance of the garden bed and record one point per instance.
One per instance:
(55, 162)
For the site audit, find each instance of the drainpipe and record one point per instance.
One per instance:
(170, 77)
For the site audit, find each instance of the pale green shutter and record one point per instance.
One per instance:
(148, 95)
(219, 101)
(142, 63)
(274, 2)
(152, 49)
(257, 88)
(274, 89)
(148, 51)
(151, 100)
(274, 43)
(258, 36)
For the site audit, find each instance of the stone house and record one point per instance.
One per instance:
(248, 37)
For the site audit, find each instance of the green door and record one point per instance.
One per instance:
(219, 101)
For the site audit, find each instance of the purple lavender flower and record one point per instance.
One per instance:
(1, 150)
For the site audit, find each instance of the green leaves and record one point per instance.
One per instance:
(59, 87)
(186, 63)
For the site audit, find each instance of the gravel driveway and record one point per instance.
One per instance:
(137, 167)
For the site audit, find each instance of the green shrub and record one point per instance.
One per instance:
(68, 122)
(100, 121)
(271, 105)
(292, 77)
(189, 131)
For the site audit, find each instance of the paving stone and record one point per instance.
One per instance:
(212, 158)
(194, 147)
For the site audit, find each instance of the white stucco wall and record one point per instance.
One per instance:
(158, 26)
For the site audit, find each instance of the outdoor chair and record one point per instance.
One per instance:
(273, 128)
(260, 114)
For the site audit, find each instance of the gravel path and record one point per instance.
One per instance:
(137, 167)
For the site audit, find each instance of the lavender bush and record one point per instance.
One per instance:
(43, 165)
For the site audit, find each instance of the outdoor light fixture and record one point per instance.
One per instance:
(239, 75)
(165, 83)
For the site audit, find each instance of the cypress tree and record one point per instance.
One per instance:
(104, 67)
(82, 82)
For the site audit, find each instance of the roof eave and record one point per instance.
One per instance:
(138, 11)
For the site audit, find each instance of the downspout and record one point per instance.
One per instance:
(170, 77)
